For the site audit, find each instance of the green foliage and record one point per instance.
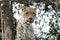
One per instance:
(58, 6)
(0, 38)
(54, 6)
(53, 32)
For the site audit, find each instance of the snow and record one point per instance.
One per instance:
(36, 30)
(46, 29)
(44, 19)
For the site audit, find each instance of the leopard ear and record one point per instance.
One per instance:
(23, 8)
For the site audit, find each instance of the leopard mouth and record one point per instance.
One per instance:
(28, 22)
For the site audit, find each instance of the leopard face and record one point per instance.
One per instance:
(28, 14)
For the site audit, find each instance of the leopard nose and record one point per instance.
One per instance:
(30, 18)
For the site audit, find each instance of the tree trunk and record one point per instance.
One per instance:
(7, 20)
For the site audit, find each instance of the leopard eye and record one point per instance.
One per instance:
(33, 13)
(26, 12)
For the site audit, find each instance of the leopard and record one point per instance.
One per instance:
(24, 27)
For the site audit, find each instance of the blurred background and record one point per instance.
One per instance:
(46, 25)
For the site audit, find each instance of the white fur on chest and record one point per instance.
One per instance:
(27, 33)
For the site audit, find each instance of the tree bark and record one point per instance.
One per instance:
(7, 20)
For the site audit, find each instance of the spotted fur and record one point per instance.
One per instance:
(24, 27)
